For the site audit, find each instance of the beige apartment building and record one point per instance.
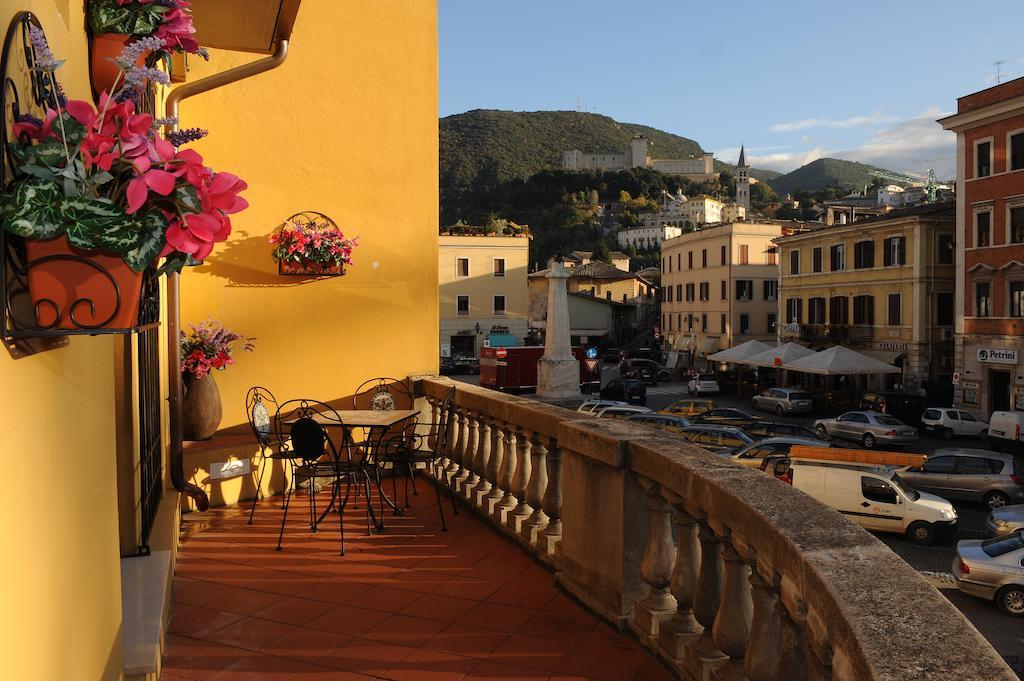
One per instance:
(719, 288)
(484, 301)
(883, 286)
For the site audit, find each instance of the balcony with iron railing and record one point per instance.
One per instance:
(719, 571)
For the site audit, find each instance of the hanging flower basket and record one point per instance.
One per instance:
(311, 244)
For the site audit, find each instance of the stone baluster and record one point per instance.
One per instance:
(483, 446)
(506, 474)
(552, 500)
(535, 490)
(522, 481)
(656, 567)
(451, 445)
(703, 656)
(792, 664)
(731, 629)
(682, 628)
(494, 463)
(762, 656)
(469, 459)
(462, 435)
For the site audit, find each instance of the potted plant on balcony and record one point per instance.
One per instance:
(206, 348)
(99, 195)
(117, 23)
(311, 244)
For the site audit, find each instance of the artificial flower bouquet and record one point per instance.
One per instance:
(314, 246)
(209, 347)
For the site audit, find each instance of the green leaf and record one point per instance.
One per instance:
(189, 197)
(173, 263)
(33, 210)
(40, 172)
(152, 227)
(99, 224)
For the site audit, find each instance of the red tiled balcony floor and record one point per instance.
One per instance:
(412, 603)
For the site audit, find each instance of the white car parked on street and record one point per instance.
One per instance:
(700, 385)
(952, 422)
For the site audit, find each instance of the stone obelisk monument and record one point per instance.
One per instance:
(558, 371)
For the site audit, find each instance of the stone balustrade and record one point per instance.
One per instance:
(720, 570)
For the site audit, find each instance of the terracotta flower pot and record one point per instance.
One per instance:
(104, 71)
(78, 289)
(310, 268)
(201, 410)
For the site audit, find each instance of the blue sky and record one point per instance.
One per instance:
(793, 80)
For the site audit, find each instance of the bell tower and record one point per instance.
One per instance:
(743, 180)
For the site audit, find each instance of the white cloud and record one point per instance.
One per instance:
(784, 161)
(911, 146)
(851, 122)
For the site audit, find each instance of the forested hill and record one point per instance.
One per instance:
(834, 172)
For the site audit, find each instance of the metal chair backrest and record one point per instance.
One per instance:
(387, 394)
(261, 408)
(302, 436)
(438, 438)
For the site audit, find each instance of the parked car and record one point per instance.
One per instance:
(876, 498)
(465, 364)
(777, 429)
(716, 438)
(726, 416)
(752, 454)
(1004, 431)
(907, 407)
(970, 474)
(611, 355)
(446, 365)
(622, 412)
(644, 369)
(689, 407)
(949, 423)
(594, 406)
(993, 569)
(626, 390)
(672, 424)
(784, 401)
(778, 465)
(1005, 520)
(868, 428)
(702, 385)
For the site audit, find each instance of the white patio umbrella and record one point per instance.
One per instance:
(740, 352)
(839, 360)
(779, 357)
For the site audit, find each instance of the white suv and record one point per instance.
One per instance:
(952, 422)
(700, 385)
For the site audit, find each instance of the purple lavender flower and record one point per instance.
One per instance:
(42, 56)
(127, 94)
(29, 118)
(136, 76)
(181, 137)
(164, 122)
(135, 49)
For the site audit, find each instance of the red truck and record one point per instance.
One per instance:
(514, 370)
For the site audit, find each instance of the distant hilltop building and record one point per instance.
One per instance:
(677, 213)
(698, 169)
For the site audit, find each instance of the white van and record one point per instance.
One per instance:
(1004, 431)
(875, 497)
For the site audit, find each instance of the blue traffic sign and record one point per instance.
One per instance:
(591, 353)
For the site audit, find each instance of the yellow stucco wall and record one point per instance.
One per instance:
(348, 127)
(59, 576)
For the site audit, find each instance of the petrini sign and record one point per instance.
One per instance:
(997, 356)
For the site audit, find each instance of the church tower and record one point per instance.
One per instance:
(743, 181)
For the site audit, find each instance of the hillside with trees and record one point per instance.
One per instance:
(834, 172)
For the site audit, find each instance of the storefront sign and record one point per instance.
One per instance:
(896, 347)
(1018, 397)
(791, 328)
(970, 393)
(997, 356)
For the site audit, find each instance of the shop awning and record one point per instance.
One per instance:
(742, 351)
(886, 356)
(840, 361)
(778, 357)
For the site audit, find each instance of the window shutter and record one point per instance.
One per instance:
(902, 246)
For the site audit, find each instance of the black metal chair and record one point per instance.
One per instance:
(305, 442)
(387, 394)
(261, 409)
(429, 450)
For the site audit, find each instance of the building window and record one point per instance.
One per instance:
(744, 324)
(1017, 224)
(983, 158)
(499, 306)
(663, 265)
(744, 289)
(704, 323)
(1017, 151)
(725, 290)
(983, 228)
(771, 322)
(771, 289)
(679, 262)
(895, 315)
(816, 259)
(769, 256)
(944, 308)
(944, 246)
(794, 262)
(839, 310)
(689, 292)
(815, 310)
(722, 321)
(705, 291)
(724, 256)
(982, 299)
(837, 257)
(670, 323)
(462, 306)
(864, 310)
(689, 322)
(704, 257)
(794, 310)
(895, 251)
(679, 293)
(689, 259)
(744, 254)
(863, 255)
(1017, 298)
(461, 267)
(499, 267)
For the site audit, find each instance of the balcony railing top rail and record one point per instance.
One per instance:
(717, 568)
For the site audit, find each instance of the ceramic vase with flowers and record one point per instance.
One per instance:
(207, 348)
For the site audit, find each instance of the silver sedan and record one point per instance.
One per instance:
(1005, 520)
(993, 569)
(869, 428)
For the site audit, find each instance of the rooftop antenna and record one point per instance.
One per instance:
(998, 63)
